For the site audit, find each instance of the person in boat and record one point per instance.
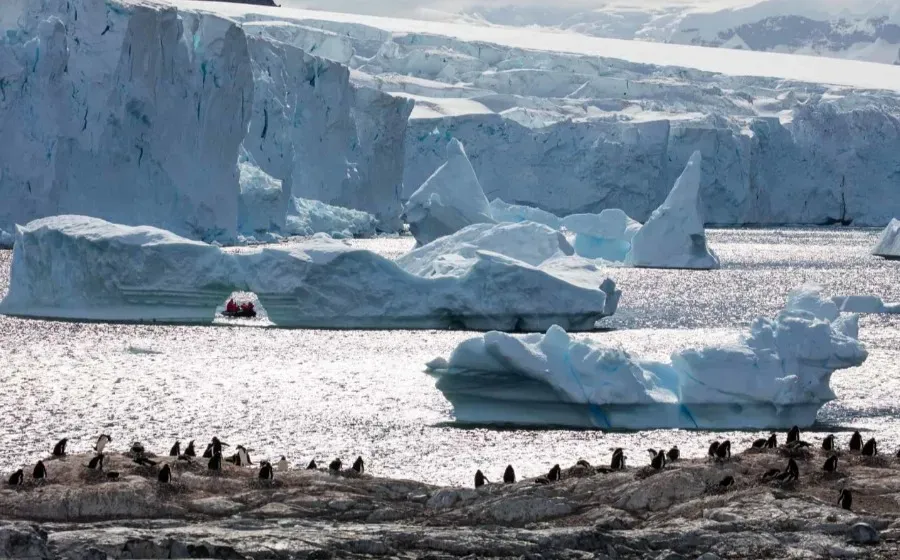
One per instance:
(231, 307)
(247, 307)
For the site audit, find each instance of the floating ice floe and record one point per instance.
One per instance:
(606, 235)
(776, 376)
(889, 243)
(449, 200)
(76, 267)
(864, 304)
(674, 236)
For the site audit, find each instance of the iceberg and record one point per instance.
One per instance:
(78, 267)
(6, 240)
(449, 200)
(263, 203)
(775, 377)
(607, 235)
(309, 217)
(889, 243)
(504, 212)
(865, 304)
(674, 237)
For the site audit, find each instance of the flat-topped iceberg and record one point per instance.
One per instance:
(674, 237)
(889, 243)
(77, 267)
(449, 200)
(776, 376)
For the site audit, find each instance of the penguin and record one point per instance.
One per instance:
(176, 450)
(165, 475)
(713, 447)
(282, 465)
(830, 464)
(759, 443)
(772, 442)
(359, 466)
(208, 452)
(856, 442)
(112, 475)
(723, 451)
(898, 453)
(845, 499)
(793, 435)
(217, 445)
(509, 475)
(652, 452)
(618, 460)
(584, 464)
(101, 442)
(137, 448)
(335, 465)
(542, 480)
(870, 449)
(40, 471)
(17, 478)
(792, 472)
(59, 450)
(479, 479)
(659, 461)
(555, 474)
(190, 451)
(265, 471)
(215, 462)
(828, 443)
(673, 454)
(771, 473)
(144, 462)
(96, 463)
(242, 456)
(312, 465)
(726, 482)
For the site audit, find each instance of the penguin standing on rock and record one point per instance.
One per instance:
(659, 461)
(555, 474)
(189, 450)
(828, 443)
(176, 450)
(791, 473)
(509, 475)
(772, 442)
(359, 465)
(243, 458)
(870, 449)
(165, 475)
(759, 443)
(793, 435)
(59, 450)
(618, 460)
(282, 465)
(137, 448)
(101, 442)
(726, 482)
(218, 445)
(40, 471)
(335, 465)
(312, 465)
(830, 464)
(266, 472)
(208, 452)
(215, 462)
(480, 480)
(856, 442)
(845, 499)
(673, 454)
(713, 448)
(17, 478)
(723, 451)
(96, 463)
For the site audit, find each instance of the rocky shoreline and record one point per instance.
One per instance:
(678, 512)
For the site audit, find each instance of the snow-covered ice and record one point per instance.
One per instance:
(776, 376)
(607, 235)
(76, 267)
(505, 212)
(308, 217)
(674, 236)
(449, 200)
(888, 245)
(864, 304)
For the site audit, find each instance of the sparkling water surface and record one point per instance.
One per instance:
(326, 393)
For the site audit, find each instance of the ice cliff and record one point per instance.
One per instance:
(777, 376)
(135, 112)
(78, 267)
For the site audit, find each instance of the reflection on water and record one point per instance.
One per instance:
(323, 394)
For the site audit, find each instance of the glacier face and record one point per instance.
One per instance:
(77, 267)
(776, 376)
(135, 111)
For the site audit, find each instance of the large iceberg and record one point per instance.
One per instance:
(776, 376)
(865, 304)
(674, 236)
(504, 212)
(308, 217)
(449, 200)
(78, 267)
(889, 243)
(607, 235)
